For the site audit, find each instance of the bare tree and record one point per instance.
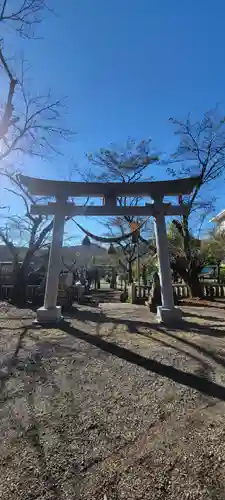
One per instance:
(31, 231)
(129, 164)
(128, 250)
(30, 123)
(201, 151)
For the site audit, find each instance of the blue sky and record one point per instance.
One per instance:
(126, 66)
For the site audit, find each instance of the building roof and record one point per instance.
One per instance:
(220, 217)
(80, 253)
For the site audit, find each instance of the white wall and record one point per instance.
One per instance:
(220, 226)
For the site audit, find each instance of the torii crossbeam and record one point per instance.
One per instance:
(110, 192)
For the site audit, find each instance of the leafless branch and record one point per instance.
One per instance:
(6, 119)
(29, 124)
(32, 230)
(22, 15)
(201, 151)
(37, 131)
(69, 268)
(128, 164)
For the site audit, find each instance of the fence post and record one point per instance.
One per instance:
(132, 292)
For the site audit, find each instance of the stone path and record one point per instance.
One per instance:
(106, 295)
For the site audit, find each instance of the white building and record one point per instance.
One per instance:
(219, 220)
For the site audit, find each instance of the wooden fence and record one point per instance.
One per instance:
(140, 293)
(6, 292)
(137, 293)
(208, 290)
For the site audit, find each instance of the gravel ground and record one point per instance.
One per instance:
(112, 406)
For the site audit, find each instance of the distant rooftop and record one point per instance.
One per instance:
(219, 217)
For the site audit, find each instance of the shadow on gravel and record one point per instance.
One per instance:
(201, 349)
(192, 327)
(10, 365)
(210, 303)
(188, 379)
(203, 316)
(217, 358)
(186, 326)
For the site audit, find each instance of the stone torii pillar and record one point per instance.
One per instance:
(167, 312)
(50, 312)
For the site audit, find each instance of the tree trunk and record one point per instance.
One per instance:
(218, 272)
(194, 284)
(130, 273)
(19, 292)
(190, 277)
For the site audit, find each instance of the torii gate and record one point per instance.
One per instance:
(61, 208)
